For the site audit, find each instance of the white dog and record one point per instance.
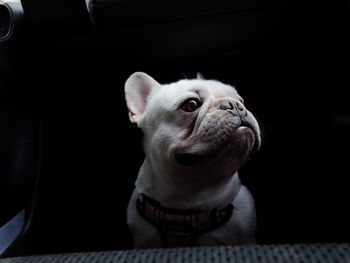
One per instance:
(197, 133)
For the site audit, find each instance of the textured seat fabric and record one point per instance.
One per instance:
(316, 253)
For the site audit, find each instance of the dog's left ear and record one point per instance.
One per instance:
(138, 87)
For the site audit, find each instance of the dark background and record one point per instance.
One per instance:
(62, 83)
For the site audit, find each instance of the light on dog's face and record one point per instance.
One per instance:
(200, 124)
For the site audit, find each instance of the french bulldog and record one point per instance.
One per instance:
(197, 134)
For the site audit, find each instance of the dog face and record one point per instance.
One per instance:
(192, 126)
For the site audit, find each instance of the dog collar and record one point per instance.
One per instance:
(181, 228)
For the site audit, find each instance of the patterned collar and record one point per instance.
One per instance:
(181, 228)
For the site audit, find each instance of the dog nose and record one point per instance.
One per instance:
(232, 105)
(226, 105)
(242, 111)
(236, 107)
(240, 106)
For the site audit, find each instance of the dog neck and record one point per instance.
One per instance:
(192, 194)
(181, 228)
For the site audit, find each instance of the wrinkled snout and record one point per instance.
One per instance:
(236, 107)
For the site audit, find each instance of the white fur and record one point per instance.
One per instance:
(168, 130)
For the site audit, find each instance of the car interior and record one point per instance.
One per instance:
(69, 155)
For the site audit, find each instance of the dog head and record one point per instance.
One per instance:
(192, 126)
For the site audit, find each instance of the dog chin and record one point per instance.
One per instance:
(244, 143)
(239, 146)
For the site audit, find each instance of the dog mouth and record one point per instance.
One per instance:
(193, 159)
(249, 127)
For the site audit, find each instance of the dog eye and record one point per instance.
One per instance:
(191, 105)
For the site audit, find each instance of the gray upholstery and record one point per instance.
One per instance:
(316, 253)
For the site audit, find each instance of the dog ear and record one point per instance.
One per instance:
(200, 76)
(138, 87)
